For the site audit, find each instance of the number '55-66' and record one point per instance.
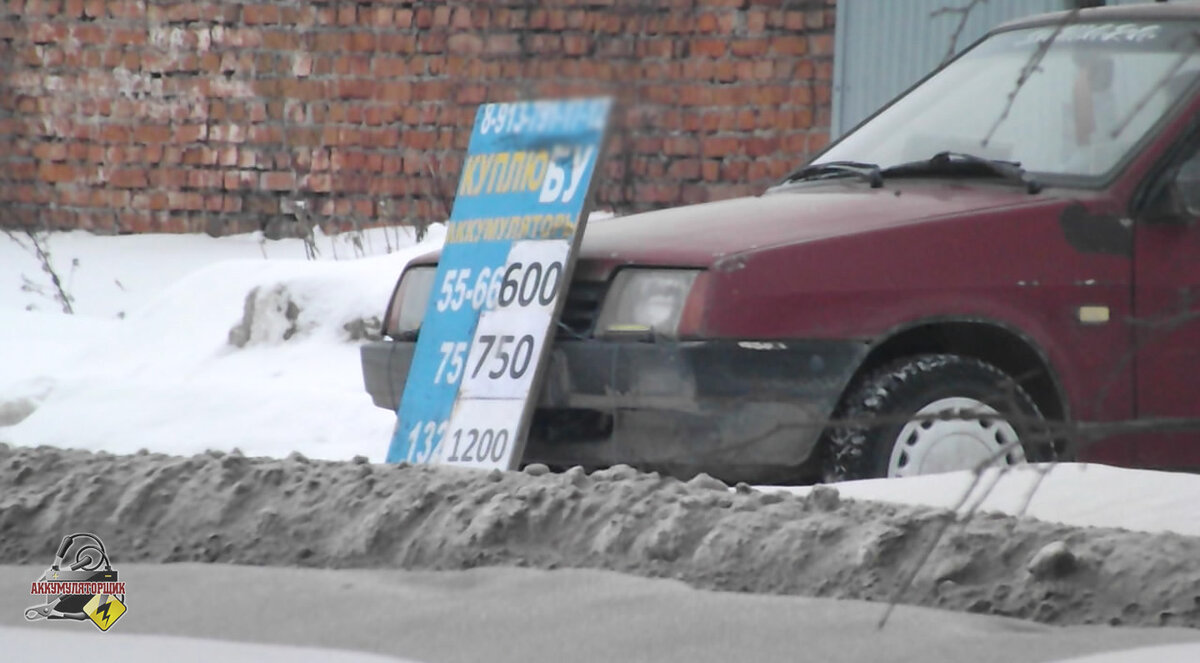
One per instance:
(518, 283)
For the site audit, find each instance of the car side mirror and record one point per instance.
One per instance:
(1178, 202)
(1185, 188)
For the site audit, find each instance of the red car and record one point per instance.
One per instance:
(1002, 262)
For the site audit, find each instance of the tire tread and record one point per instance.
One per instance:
(851, 447)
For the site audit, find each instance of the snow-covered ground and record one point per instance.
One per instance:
(147, 361)
(513, 615)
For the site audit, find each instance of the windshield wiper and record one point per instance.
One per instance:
(868, 172)
(961, 163)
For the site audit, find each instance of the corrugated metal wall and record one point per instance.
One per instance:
(884, 46)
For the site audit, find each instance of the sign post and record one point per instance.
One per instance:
(518, 217)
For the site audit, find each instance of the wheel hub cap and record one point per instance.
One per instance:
(953, 434)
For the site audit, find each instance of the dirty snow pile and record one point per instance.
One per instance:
(217, 507)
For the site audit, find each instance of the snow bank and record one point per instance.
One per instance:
(229, 508)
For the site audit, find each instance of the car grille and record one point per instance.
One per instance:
(581, 309)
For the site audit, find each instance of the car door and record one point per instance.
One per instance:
(1167, 313)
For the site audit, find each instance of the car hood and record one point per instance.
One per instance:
(699, 235)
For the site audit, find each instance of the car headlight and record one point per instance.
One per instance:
(410, 299)
(643, 301)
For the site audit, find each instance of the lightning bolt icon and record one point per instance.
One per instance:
(103, 610)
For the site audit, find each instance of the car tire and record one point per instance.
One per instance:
(899, 421)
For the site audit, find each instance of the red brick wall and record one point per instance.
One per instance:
(155, 115)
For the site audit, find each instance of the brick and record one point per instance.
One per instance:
(57, 172)
(394, 93)
(185, 200)
(361, 42)
(128, 178)
(821, 44)
(576, 44)
(789, 45)
(705, 23)
(713, 48)
(50, 151)
(280, 40)
(198, 155)
(502, 44)
(190, 133)
(684, 169)
(260, 134)
(465, 43)
(230, 133)
(716, 146)
(277, 181)
(47, 33)
(302, 64)
(151, 133)
(423, 18)
(759, 146)
(396, 43)
(205, 179)
(681, 146)
(743, 48)
(352, 65)
(383, 16)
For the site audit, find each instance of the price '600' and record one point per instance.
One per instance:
(525, 285)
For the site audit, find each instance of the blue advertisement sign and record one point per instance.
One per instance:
(506, 264)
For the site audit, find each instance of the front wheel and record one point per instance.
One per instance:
(929, 414)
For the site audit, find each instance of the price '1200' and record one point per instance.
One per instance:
(478, 446)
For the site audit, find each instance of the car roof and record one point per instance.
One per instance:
(1144, 12)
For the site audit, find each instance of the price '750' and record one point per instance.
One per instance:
(500, 360)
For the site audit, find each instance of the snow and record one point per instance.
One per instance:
(1086, 495)
(26, 644)
(165, 376)
(1161, 654)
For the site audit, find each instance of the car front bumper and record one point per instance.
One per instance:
(740, 411)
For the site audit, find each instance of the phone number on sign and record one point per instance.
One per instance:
(542, 117)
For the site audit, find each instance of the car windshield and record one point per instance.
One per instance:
(1062, 99)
